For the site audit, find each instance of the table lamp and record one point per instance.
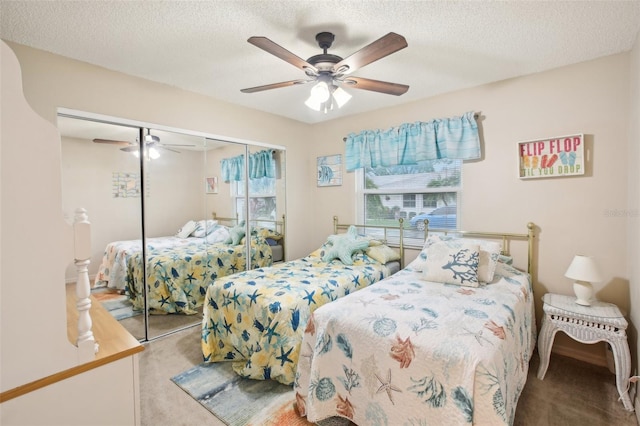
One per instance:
(584, 271)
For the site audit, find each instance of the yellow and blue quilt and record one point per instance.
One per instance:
(177, 278)
(256, 319)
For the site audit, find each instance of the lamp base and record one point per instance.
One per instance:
(584, 292)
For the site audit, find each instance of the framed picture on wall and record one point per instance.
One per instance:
(211, 185)
(330, 170)
(552, 157)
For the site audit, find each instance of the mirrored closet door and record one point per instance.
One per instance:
(161, 206)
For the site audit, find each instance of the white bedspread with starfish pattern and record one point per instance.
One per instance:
(410, 352)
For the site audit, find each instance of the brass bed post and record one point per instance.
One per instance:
(335, 224)
(284, 242)
(530, 237)
(401, 244)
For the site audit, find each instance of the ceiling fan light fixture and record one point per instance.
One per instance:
(340, 96)
(154, 153)
(320, 92)
(149, 138)
(313, 104)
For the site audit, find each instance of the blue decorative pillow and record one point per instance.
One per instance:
(344, 245)
(453, 262)
(235, 234)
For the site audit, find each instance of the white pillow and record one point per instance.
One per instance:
(219, 235)
(453, 262)
(186, 230)
(204, 228)
(489, 254)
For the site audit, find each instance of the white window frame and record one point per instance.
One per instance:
(411, 239)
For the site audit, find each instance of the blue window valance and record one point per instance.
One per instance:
(261, 164)
(455, 137)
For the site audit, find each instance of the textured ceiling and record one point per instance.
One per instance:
(202, 46)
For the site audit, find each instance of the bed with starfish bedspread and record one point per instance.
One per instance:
(178, 277)
(255, 319)
(418, 349)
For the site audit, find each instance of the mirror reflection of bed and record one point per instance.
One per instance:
(174, 189)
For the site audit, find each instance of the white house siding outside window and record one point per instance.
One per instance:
(389, 193)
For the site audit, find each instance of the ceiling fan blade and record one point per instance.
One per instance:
(376, 85)
(171, 149)
(112, 142)
(282, 53)
(380, 48)
(129, 148)
(275, 86)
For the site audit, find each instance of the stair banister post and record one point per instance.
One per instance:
(86, 343)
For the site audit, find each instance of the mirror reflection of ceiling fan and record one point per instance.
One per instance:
(152, 142)
(332, 71)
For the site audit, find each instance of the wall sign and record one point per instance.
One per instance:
(330, 170)
(211, 185)
(125, 184)
(554, 157)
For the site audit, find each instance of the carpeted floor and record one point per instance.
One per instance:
(572, 393)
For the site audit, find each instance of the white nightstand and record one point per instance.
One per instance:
(587, 324)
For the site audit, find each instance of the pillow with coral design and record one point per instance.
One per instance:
(343, 246)
(489, 253)
(453, 262)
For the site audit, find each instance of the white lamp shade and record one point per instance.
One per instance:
(320, 92)
(584, 271)
(583, 268)
(341, 96)
(313, 104)
(324, 95)
(154, 153)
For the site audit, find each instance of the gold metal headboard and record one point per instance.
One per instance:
(385, 230)
(505, 236)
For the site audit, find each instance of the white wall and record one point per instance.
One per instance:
(633, 216)
(573, 213)
(34, 243)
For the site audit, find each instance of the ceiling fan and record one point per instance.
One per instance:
(332, 70)
(151, 141)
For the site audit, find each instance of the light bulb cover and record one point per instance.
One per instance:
(320, 92)
(340, 96)
(154, 153)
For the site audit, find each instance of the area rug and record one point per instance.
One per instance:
(117, 304)
(237, 401)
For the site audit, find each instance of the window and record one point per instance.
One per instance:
(409, 200)
(412, 193)
(262, 198)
